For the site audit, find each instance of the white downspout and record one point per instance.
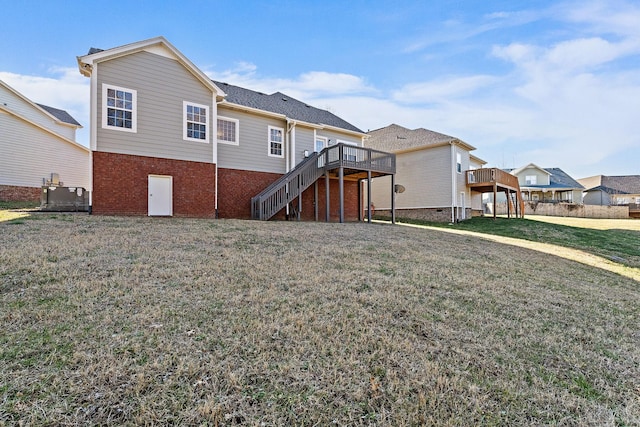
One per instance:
(215, 152)
(93, 123)
(292, 130)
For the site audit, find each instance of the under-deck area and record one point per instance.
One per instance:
(494, 180)
(343, 162)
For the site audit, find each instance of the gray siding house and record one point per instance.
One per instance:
(155, 149)
(547, 184)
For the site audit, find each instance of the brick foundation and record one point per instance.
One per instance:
(12, 193)
(120, 185)
(237, 187)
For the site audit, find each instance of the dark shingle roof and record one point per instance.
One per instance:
(93, 50)
(562, 179)
(622, 184)
(557, 179)
(61, 115)
(394, 138)
(280, 103)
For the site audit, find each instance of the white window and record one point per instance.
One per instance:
(276, 142)
(321, 143)
(195, 123)
(530, 179)
(119, 108)
(458, 162)
(228, 130)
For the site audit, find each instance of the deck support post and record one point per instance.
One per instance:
(369, 214)
(315, 199)
(326, 191)
(341, 191)
(495, 199)
(393, 198)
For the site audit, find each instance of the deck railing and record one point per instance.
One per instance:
(490, 176)
(287, 188)
(354, 157)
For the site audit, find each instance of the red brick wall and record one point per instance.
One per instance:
(237, 187)
(120, 185)
(11, 193)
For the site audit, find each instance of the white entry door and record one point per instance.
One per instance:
(160, 195)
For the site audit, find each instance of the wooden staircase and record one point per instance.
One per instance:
(337, 161)
(286, 189)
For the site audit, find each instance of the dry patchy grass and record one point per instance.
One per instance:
(198, 322)
(593, 223)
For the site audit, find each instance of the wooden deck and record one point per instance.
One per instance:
(494, 180)
(342, 161)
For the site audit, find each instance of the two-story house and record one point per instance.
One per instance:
(155, 150)
(431, 170)
(547, 184)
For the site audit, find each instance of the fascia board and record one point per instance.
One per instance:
(86, 62)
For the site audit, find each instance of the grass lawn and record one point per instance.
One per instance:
(617, 240)
(110, 320)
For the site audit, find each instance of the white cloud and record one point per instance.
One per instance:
(67, 90)
(441, 90)
(307, 85)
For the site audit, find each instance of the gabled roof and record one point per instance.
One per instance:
(276, 103)
(395, 138)
(558, 179)
(621, 184)
(61, 115)
(280, 103)
(530, 165)
(158, 45)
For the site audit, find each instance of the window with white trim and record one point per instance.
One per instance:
(228, 130)
(321, 143)
(276, 142)
(530, 179)
(195, 123)
(119, 108)
(458, 162)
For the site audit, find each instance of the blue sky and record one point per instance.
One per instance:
(555, 83)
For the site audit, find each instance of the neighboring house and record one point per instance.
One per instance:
(155, 151)
(37, 143)
(431, 167)
(613, 190)
(547, 184)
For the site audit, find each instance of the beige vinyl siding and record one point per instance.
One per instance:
(27, 110)
(426, 176)
(162, 84)
(252, 152)
(461, 178)
(304, 141)
(334, 136)
(542, 178)
(30, 154)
